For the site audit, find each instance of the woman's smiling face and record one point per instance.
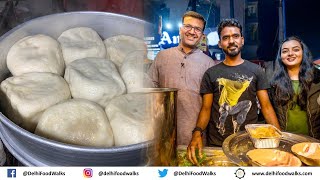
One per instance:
(291, 53)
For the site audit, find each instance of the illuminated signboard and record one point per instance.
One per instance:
(167, 39)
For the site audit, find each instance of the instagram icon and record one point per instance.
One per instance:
(87, 172)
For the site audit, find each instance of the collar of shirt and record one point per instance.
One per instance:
(180, 48)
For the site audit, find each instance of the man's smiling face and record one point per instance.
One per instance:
(189, 32)
(231, 41)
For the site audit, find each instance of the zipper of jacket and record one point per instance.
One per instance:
(286, 115)
(309, 119)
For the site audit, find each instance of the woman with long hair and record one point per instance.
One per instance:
(295, 89)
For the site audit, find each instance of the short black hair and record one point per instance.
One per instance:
(229, 23)
(194, 15)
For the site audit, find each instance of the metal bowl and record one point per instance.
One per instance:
(33, 150)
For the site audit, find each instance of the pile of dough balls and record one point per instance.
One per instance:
(79, 89)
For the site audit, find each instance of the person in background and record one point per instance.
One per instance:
(229, 90)
(295, 89)
(182, 67)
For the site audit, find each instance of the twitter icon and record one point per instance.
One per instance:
(162, 173)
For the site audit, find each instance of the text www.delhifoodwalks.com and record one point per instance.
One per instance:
(282, 173)
(194, 173)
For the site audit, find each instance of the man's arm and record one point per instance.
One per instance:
(202, 122)
(267, 109)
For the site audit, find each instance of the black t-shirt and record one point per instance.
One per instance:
(234, 98)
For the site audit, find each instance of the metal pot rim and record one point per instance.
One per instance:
(68, 13)
(8, 123)
(151, 90)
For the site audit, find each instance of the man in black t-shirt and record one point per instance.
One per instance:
(234, 90)
(229, 92)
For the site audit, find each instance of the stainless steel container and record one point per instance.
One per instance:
(33, 150)
(162, 151)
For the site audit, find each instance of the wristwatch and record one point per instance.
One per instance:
(198, 129)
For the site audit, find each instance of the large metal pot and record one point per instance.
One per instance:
(33, 150)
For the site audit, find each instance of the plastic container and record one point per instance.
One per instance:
(264, 135)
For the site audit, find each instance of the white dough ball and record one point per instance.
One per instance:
(132, 72)
(76, 121)
(81, 42)
(119, 46)
(129, 116)
(38, 53)
(28, 95)
(94, 79)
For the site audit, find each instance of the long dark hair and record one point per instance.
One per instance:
(282, 83)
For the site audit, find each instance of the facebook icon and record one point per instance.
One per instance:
(11, 173)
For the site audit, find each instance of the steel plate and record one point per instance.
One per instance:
(237, 145)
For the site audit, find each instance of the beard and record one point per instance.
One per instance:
(232, 53)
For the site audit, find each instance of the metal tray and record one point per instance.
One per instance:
(237, 145)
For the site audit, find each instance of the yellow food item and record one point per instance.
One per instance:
(264, 132)
(218, 153)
